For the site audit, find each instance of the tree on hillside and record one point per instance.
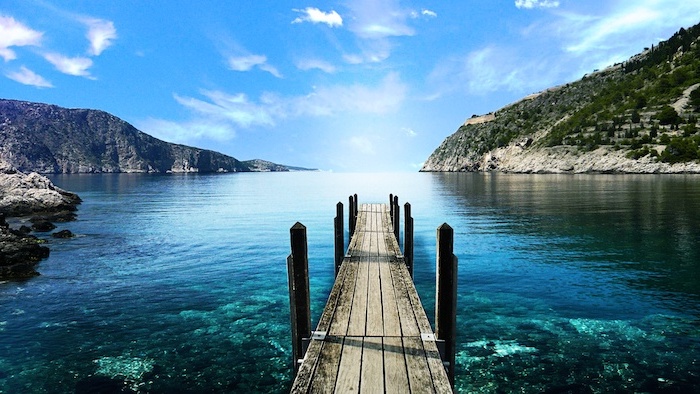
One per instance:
(668, 116)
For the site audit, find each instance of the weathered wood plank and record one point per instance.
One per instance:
(326, 371)
(395, 375)
(416, 365)
(372, 379)
(350, 362)
(375, 317)
(341, 313)
(407, 317)
(390, 309)
(358, 313)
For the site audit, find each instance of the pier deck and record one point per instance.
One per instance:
(373, 335)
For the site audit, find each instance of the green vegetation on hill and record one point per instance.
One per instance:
(634, 108)
(647, 106)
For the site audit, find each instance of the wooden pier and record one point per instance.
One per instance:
(373, 335)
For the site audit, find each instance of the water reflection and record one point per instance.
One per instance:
(643, 227)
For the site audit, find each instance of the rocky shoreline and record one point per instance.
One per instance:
(520, 158)
(36, 197)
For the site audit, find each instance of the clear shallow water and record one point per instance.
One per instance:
(178, 283)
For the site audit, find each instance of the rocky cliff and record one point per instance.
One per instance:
(640, 116)
(50, 139)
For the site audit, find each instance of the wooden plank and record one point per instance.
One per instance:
(326, 371)
(305, 375)
(350, 363)
(417, 366)
(375, 317)
(341, 313)
(395, 374)
(372, 378)
(390, 311)
(409, 325)
(358, 313)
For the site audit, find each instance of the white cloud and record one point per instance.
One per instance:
(375, 23)
(186, 132)
(378, 19)
(409, 132)
(314, 15)
(77, 66)
(248, 62)
(529, 4)
(13, 33)
(219, 114)
(26, 76)
(328, 100)
(310, 64)
(491, 69)
(101, 34)
(429, 13)
(237, 109)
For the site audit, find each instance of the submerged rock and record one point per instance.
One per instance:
(63, 234)
(19, 254)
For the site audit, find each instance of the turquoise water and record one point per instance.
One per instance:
(178, 283)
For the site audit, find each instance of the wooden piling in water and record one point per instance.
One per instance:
(352, 215)
(446, 296)
(299, 304)
(339, 236)
(396, 216)
(408, 238)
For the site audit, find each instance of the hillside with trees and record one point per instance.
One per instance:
(637, 116)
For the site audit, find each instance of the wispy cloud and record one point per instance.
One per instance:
(77, 66)
(237, 109)
(28, 77)
(101, 34)
(374, 19)
(385, 97)
(15, 34)
(529, 4)
(223, 113)
(623, 31)
(250, 61)
(314, 15)
(376, 24)
(491, 69)
(409, 132)
(310, 64)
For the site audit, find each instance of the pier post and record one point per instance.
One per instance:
(352, 215)
(391, 209)
(354, 196)
(395, 218)
(339, 237)
(298, 276)
(446, 296)
(408, 238)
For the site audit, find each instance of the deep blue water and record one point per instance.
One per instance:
(177, 283)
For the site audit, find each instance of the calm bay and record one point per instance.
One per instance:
(177, 283)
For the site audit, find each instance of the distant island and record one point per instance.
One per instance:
(639, 116)
(49, 139)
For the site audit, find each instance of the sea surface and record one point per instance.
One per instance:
(177, 283)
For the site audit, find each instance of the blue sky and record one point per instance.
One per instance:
(337, 85)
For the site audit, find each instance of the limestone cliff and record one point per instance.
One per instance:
(46, 138)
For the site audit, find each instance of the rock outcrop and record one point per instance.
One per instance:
(46, 138)
(28, 195)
